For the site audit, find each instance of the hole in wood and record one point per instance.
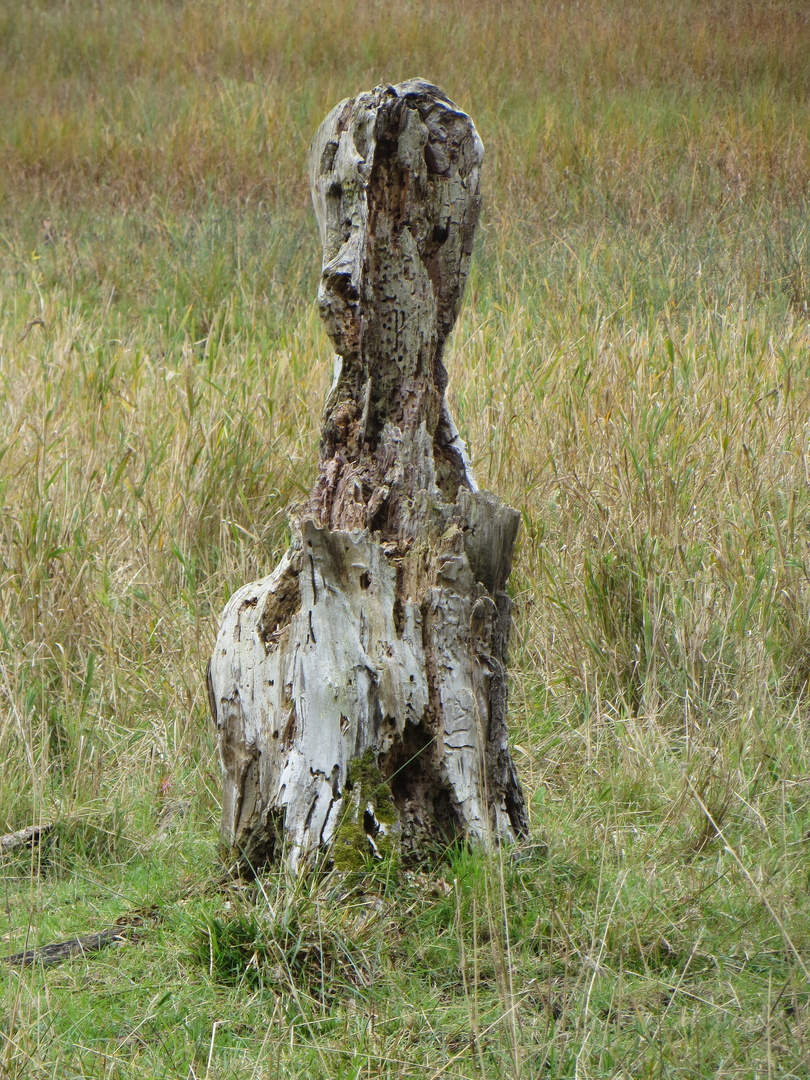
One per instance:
(392, 678)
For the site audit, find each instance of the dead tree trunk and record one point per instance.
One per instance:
(360, 690)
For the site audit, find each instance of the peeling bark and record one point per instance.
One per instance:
(386, 625)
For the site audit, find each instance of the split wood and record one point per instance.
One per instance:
(380, 641)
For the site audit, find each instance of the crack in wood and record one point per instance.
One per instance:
(409, 661)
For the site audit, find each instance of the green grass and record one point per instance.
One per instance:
(632, 370)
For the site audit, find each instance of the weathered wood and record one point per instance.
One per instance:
(59, 951)
(23, 838)
(360, 690)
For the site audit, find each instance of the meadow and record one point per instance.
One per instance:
(631, 369)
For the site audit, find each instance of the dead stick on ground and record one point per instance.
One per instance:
(23, 837)
(58, 951)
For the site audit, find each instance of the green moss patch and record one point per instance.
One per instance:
(352, 849)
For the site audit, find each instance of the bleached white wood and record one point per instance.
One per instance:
(385, 626)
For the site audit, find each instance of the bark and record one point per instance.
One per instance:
(24, 838)
(59, 951)
(360, 691)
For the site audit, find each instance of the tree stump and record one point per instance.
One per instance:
(360, 690)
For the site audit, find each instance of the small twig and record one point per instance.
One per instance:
(30, 326)
(211, 1047)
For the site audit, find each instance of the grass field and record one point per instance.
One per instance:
(632, 371)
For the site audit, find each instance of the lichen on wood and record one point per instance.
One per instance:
(382, 635)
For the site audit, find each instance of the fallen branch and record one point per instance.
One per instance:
(58, 951)
(23, 838)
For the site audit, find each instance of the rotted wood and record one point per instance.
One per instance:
(382, 635)
(23, 838)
